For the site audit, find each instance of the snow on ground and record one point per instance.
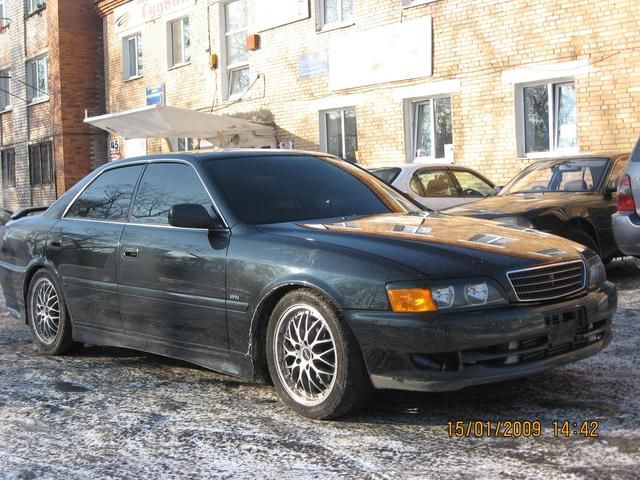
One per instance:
(113, 413)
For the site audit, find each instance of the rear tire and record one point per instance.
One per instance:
(47, 315)
(314, 359)
(581, 237)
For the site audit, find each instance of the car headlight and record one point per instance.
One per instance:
(446, 295)
(596, 271)
(514, 221)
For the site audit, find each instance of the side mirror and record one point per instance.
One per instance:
(192, 215)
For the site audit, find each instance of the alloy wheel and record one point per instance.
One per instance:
(305, 354)
(45, 311)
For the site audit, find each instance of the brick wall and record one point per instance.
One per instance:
(476, 43)
(69, 33)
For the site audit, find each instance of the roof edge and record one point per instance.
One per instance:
(105, 7)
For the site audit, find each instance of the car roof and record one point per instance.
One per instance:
(585, 155)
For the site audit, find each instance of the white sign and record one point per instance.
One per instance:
(274, 13)
(401, 51)
(135, 147)
(138, 12)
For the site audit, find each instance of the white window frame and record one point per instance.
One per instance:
(185, 54)
(552, 85)
(3, 12)
(39, 95)
(7, 87)
(411, 128)
(229, 69)
(189, 144)
(341, 22)
(324, 144)
(35, 5)
(137, 37)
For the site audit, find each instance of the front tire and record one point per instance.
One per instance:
(48, 320)
(314, 360)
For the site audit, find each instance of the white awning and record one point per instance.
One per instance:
(160, 121)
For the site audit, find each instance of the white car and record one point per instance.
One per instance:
(437, 186)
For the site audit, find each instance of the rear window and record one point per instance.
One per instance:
(387, 175)
(635, 155)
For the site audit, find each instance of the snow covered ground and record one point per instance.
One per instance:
(112, 413)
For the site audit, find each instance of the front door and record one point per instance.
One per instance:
(172, 280)
(84, 247)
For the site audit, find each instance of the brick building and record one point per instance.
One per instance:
(489, 84)
(51, 71)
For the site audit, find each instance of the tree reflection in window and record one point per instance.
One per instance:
(164, 185)
(108, 197)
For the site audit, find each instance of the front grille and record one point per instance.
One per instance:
(546, 283)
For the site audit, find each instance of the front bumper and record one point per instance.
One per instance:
(452, 350)
(626, 230)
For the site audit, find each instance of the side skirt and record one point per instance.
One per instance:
(223, 361)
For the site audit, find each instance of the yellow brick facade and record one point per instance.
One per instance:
(486, 48)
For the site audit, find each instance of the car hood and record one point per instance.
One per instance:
(438, 245)
(518, 204)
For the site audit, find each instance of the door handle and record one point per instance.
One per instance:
(130, 252)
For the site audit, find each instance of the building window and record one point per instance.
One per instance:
(3, 12)
(431, 128)
(334, 12)
(179, 42)
(41, 164)
(5, 90)
(339, 133)
(412, 3)
(236, 55)
(132, 55)
(8, 168)
(548, 117)
(34, 5)
(185, 144)
(37, 83)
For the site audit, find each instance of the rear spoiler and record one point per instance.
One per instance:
(27, 211)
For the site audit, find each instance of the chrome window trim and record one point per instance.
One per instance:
(133, 164)
(551, 265)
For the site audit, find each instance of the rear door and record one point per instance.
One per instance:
(172, 280)
(84, 247)
(633, 170)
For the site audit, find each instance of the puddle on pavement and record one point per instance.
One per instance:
(67, 387)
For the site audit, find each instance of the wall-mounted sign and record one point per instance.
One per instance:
(140, 11)
(399, 51)
(314, 64)
(155, 95)
(274, 13)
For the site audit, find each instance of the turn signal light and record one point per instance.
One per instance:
(625, 201)
(412, 300)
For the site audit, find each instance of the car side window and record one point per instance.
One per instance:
(472, 185)
(437, 183)
(108, 197)
(618, 170)
(164, 185)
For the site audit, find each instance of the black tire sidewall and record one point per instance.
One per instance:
(64, 339)
(349, 370)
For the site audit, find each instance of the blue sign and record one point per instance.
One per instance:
(314, 64)
(155, 95)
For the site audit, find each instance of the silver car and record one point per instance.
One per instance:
(437, 186)
(626, 221)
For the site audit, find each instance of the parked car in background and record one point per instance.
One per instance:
(573, 197)
(626, 221)
(437, 186)
(305, 269)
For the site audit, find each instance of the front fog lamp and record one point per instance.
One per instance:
(411, 300)
(597, 272)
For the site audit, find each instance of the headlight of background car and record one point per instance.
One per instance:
(446, 295)
(596, 271)
(515, 221)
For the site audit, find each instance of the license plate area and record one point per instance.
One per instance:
(562, 327)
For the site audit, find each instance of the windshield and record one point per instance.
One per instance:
(571, 175)
(292, 188)
(387, 175)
